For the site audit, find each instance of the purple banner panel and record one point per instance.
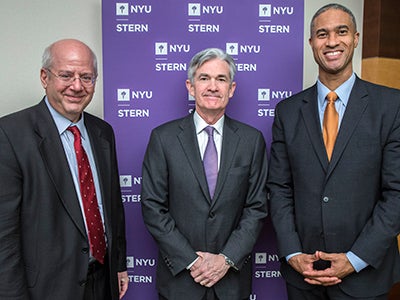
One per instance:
(147, 46)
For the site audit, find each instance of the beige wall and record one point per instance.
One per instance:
(28, 26)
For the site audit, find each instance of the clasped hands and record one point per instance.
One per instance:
(340, 267)
(209, 268)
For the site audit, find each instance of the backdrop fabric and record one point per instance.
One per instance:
(147, 46)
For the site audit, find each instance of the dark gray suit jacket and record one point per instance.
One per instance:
(182, 218)
(44, 250)
(349, 204)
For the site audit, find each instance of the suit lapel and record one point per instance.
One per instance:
(355, 108)
(311, 120)
(230, 141)
(52, 152)
(190, 146)
(101, 152)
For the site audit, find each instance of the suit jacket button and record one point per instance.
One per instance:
(82, 282)
(85, 250)
(325, 199)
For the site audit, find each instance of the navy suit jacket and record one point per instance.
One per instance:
(44, 249)
(182, 218)
(351, 203)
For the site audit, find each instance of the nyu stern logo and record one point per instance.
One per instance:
(260, 258)
(132, 262)
(236, 48)
(163, 48)
(196, 9)
(125, 95)
(124, 9)
(125, 180)
(265, 94)
(267, 10)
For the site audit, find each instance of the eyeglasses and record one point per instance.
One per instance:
(87, 80)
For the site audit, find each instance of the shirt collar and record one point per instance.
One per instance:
(343, 91)
(200, 124)
(62, 123)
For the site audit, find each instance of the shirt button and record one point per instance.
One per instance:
(325, 199)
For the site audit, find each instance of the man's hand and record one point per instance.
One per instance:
(208, 269)
(340, 268)
(302, 262)
(123, 281)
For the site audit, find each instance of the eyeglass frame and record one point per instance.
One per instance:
(71, 80)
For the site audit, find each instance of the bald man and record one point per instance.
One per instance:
(47, 246)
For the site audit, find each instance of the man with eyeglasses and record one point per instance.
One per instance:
(62, 230)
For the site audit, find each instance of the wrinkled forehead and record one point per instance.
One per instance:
(73, 57)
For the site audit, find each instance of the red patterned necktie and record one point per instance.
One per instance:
(330, 123)
(88, 194)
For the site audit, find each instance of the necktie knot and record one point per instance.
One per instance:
(332, 97)
(210, 131)
(75, 131)
(77, 137)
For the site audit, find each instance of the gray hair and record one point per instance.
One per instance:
(208, 54)
(332, 6)
(47, 58)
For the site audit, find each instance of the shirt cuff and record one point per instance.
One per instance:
(189, 266)
(291, 255)
(357, 263)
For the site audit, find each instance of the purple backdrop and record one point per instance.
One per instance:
(147, 46)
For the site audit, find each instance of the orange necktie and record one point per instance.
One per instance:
(330, 124)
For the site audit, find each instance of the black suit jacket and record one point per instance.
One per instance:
(44, 250)
(349, 204)
(182, 218)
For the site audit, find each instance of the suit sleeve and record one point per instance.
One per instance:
(280, 188)
(243, 238)
(175, 248)
(12, 275)
(383, 226)
(120, 220)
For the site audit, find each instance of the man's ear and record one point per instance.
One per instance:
(43, 77)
